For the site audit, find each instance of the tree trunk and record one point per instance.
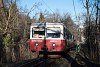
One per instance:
(8, 54)
(17, 52)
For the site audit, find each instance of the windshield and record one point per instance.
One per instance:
(38, 33)
(53, 32)
(53, 35)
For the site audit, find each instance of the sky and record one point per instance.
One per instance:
(63, 6)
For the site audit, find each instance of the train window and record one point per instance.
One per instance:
(53, 32)
(53, 35)
(38, 33)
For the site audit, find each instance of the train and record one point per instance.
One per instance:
(54, 36)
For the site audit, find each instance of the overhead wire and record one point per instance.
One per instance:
(73, 6)
(74, 9)
(53, 12)
(47, 6)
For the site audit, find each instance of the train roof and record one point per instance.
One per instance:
(39, 24)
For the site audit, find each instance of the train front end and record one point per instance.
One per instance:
(54, 37)
(37, 34)
(51, 37)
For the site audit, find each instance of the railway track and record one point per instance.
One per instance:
(39, 62)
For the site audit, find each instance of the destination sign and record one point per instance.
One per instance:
(38, 29)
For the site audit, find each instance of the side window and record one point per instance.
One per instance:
(32, 32)
(65, 33)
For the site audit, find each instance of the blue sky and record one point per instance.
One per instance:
(63, 6)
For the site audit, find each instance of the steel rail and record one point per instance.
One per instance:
(40, 63)
(29, 63)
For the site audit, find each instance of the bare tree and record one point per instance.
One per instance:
(91, 29)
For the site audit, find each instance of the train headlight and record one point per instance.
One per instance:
(53, 45)
(36, 44)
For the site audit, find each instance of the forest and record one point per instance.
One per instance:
(15, 28)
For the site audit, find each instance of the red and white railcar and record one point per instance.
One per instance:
(53, 35)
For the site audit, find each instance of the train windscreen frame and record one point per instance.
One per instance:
(53, 32)
(38, 32)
